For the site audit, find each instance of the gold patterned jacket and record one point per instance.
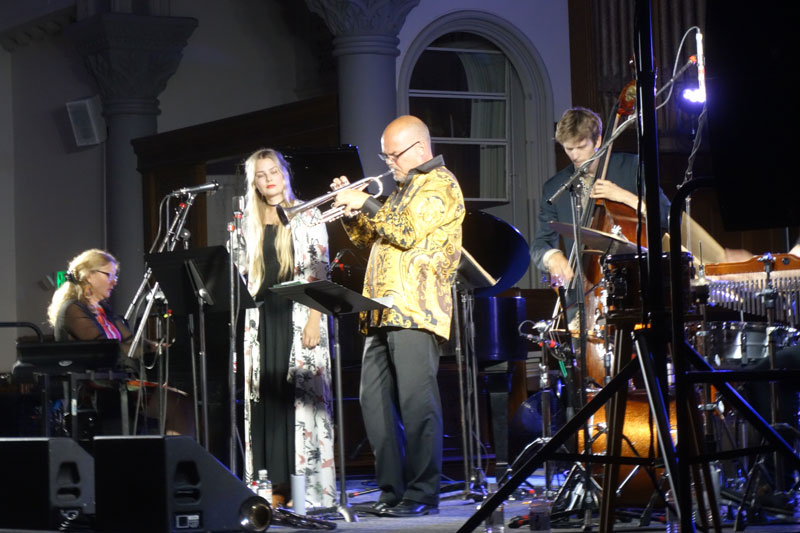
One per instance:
(416, 247)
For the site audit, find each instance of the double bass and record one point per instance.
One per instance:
(609, 220)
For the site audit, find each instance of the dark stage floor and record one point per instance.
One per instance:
(454, 512)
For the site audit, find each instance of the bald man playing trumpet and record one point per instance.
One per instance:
(416, 246)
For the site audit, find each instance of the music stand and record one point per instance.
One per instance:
(334, 300)
(72, 362)
(191, 280)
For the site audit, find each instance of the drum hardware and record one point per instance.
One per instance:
(624, 286)
(768, 297)
(767, 286)
(539, 329)
(691, 368)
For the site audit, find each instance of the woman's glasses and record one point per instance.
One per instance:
(108, 275)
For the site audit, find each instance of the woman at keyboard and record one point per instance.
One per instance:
(80, 311)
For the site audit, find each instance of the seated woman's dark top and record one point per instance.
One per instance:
(77, 321)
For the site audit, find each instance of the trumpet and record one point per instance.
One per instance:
(285, 215)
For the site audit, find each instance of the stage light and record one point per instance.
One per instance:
(692, 100)
(695, 96)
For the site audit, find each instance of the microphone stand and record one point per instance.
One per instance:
(203, 298)
(234, 230)
(607, 144)
(578, 285)
(170, 240)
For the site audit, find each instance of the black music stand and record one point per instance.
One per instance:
(71, 362)
(334, 300)
(191, 280)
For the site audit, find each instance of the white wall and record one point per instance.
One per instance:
(58, 188)
(239, 59)
(8, 301)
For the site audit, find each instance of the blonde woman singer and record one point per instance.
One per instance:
(288, 423)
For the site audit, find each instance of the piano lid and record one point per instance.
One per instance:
(498, 248)
(314, 168)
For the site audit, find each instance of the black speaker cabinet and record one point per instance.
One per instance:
(157, 483)
(45, 483)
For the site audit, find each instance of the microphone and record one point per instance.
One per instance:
(540, 341)
(238, 204)
(701, 65)
(238, 209)
(206, 187)
(337, 259)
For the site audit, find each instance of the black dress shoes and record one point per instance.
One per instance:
(376, 508)
(408, 508)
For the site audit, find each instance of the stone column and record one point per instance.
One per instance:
(131, 57)
(365, 46)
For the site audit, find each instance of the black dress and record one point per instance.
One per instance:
(272, 419)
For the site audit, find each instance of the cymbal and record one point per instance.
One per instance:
(597, 240)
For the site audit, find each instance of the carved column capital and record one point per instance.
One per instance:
(131, 57)
(347, 18)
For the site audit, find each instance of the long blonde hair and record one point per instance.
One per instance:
(256, 206)
(74, 288)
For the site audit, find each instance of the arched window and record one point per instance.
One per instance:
(481, 87)
(459, 87)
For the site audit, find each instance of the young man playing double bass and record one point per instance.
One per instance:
(579, 132)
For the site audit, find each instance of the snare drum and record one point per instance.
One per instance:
(624, 289)
(737, 344)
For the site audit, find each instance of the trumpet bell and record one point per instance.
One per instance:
(255, 514)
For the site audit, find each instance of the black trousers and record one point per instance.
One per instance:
(403, 413)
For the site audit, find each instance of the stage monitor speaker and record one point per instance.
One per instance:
(46, 483)
(752, 117)
(157, 483)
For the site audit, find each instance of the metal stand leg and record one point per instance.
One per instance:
(474, 485)
(464, 403)
(203, 373)
(522, 472)
(616, 421)
(343, 508)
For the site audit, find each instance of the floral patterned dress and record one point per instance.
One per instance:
(308, 369)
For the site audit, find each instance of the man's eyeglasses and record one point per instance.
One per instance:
(395, 157)
(108, 275)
